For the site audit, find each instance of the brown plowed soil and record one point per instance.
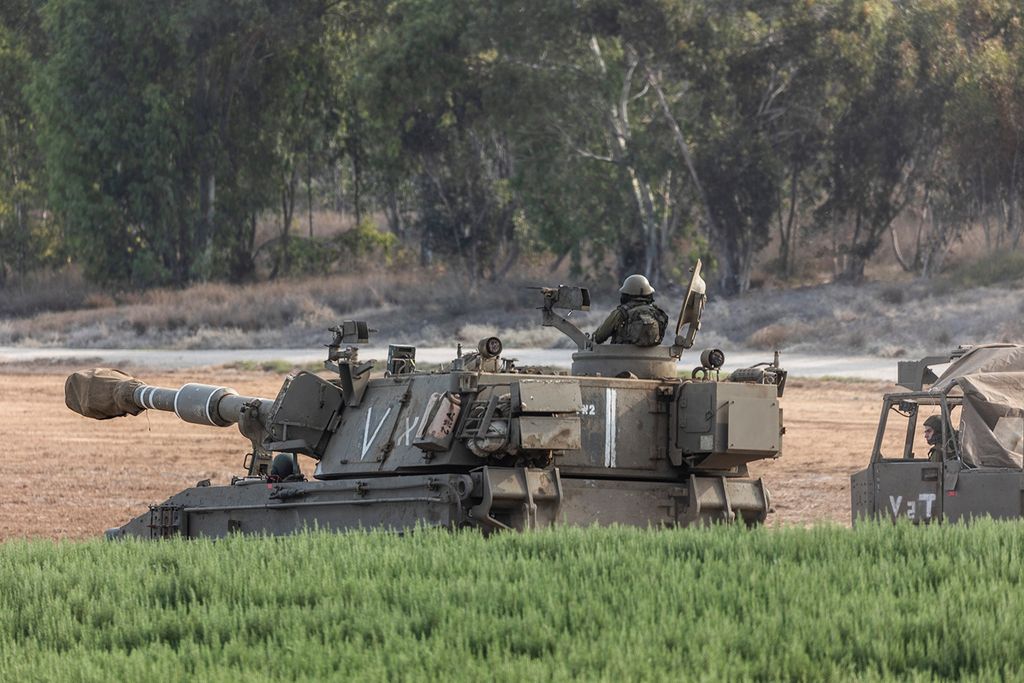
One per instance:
(830, 428)
(65, 476)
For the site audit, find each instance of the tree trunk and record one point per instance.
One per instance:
(854, 271)
(728, 276)
(1012, 228)
(786, 230)
(684, 149)
(240, 259)
(510, 263)
(22, 235)
(357, 181)
(907, 266)
(394, 213)
(201, 239)
(426, 252)
(857, 254)
(309, 190)
(353, 145)
(288, 191)
(669, 223)
(557, 263)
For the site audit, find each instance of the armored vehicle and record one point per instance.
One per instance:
(971, 465)
(620, 439)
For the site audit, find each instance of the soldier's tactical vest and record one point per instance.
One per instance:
(642, 325)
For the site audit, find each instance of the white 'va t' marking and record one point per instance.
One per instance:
(410, 426)
(895, 502)
(609, 427)
(367, 439)
(927, 499)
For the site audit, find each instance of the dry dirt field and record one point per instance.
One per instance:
(65, 476)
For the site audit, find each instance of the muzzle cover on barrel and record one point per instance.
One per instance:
(102, 393)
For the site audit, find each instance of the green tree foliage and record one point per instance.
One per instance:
(985, 119)
(889, 125)
(563, 101)
(162, 126)
(28, 236)
(748, 67)
(425, 108)
(624, 136)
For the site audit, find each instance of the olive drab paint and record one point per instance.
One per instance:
(976, 404)
(623, 438)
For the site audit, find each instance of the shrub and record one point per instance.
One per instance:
(45, 290)
(771, 337)
(998, 268)
(893, 294)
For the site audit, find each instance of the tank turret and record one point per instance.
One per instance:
(622, 438)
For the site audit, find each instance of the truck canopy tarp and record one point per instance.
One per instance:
(992, 421)
(991, 378)
(986, 358)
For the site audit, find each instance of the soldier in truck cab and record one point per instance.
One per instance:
(933, 435)
(636, 320)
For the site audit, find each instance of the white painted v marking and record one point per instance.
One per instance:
(367, 438)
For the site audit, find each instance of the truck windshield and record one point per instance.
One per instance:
(913, 431)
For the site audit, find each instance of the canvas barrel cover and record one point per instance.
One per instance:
(101, 393)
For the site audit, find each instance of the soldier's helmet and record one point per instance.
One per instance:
(636, 285)
(935, 422)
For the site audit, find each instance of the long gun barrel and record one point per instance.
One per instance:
(104, 393)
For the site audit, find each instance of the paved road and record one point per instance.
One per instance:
(864, 367)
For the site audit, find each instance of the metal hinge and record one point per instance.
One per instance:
(165, 520)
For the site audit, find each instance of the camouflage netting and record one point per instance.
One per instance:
(992, 423)
(101, 393)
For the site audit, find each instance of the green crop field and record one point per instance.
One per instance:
(825, 603)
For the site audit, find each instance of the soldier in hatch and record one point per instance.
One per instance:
(636, 320)
(933, 435)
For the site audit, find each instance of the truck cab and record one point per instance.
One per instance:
(974, 467)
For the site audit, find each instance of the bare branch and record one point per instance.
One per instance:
(597, 157)
(897, 251)
(643, 91)
(595, 48)
(683, 147)
(776, 86)
(585, 153)
(627, 87)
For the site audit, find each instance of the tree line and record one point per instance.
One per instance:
(146, 139)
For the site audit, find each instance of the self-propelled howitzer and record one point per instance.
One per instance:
(620, 439)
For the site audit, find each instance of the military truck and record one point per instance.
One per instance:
(622, 438)
(974, 465)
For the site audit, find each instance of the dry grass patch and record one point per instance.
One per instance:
(777, 336)
(279, 312)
